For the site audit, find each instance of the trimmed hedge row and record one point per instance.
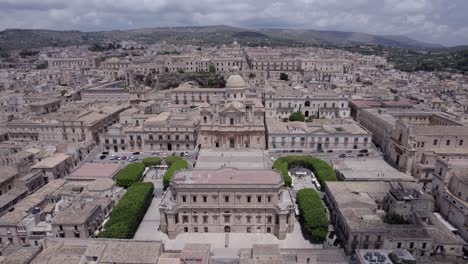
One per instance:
(313, 214)
(322, 170)
(175, 164)
(130, 174)
(282, 166)
(128, 213)
(151, 161)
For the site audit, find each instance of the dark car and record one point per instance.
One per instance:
(105, 153)
(342, 155)
(349, 151)
(299, 151)
(363, 151)
(181, 154)
(360, 155)
(136, 153)
(103, 157)
(330, 151)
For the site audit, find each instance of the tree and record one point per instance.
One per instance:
(130, 174)
(321, 169)
(212, 69)
(128, 213)
(313, 214)
(394, 219)
(297, 116)
(284, 76)
(151, 161)
(42, 66)
(175, 164)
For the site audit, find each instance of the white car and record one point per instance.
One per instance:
(186, 153)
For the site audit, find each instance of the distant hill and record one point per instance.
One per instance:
(20, 39)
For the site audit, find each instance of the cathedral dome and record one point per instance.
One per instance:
(235, 81)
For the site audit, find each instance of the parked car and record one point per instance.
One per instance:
(103, 157)
(124, 157)
(342, 155)
(349, 151)
(181, 154)
(363, 151)
(136, 153)
(330, 151)
(299, 151)
(186, 153)
(360, 155)
(105, 153)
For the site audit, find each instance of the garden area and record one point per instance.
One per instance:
(313, 215)
(322, 170)
(128, 213)
(129, 175)
(175, 164)
(131, 208)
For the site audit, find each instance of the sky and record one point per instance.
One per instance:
(435, 21)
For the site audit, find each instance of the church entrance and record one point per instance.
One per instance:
(232, 143)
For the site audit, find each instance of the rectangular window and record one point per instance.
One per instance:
(226, 199)
(205, 199)
(194, 199)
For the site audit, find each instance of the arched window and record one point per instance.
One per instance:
(307, 103)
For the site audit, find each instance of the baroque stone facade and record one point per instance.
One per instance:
(227, 200)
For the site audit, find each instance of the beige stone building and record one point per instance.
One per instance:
(234, 121)
(358, 210)
(82, 219)
(167, 131)
(454, 202)
(319, 135)
(281, 102)
(418, 137)
(227, 200)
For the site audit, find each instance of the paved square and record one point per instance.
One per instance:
(235, 240)
(241, 159)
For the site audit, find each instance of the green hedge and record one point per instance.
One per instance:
(322, 170)
(313, 214)
(130, 174)
(282, 166)
(175, 164)
(151, 161)
(128, 213)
